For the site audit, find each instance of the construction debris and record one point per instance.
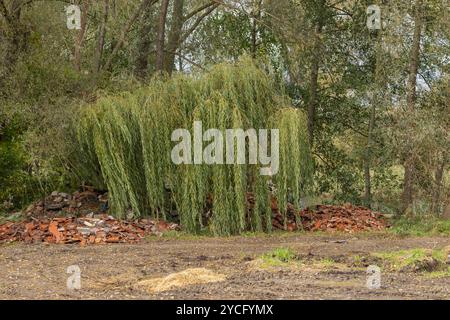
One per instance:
(84, 230)
(81, 217)
(59, 203)
(346, 218)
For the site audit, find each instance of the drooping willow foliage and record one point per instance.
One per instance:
(128, 137)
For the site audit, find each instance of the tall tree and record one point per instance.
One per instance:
(101, 36)
(80, 37)
(414, 60)
(160, 44)
(313, 80)
(126, 28)
(14, 36)
(174, 35)
(144, 42)
(256, 16)
(377, 97)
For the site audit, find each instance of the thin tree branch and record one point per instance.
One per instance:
(197, 22)
(190, 61)
(425, 79)
(126, 29)
(260, 21)
(344, 12)
(195, 64)
(197, 10)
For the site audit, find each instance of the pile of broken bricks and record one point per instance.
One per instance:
(81, 217)
(95, 229)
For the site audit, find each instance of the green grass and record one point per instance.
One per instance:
(182, 235)
(358, 260)
(327, 262)
(398, 260)
(421, 226)
(279, 257)
(438, 274)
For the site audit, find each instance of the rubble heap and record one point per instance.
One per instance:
(346, 218)
(60, 203)
(84, 230)
(81, 217)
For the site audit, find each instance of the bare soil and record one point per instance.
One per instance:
(111, 271)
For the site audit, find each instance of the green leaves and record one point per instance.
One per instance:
(129, 137)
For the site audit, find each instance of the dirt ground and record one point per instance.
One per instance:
(111, 271)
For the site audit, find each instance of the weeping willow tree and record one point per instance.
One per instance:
(128, 137)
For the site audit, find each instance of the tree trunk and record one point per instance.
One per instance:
(256, 16)
(313, 82)
(101, 37)
(80, 36)
(161, 36)
(14, 35)
(438, 175)
(380, 87)
(408, 181)
(126, 29)
(368, 157)
(174, 35)
(145, 43)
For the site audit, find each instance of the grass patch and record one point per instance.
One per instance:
(438, 274)
(181, 235)
(279, 257)
(421, 226)
(414, 259)
(274, 234)
(358, 260)
(327, 262)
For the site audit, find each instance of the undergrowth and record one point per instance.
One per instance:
(421, 226)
